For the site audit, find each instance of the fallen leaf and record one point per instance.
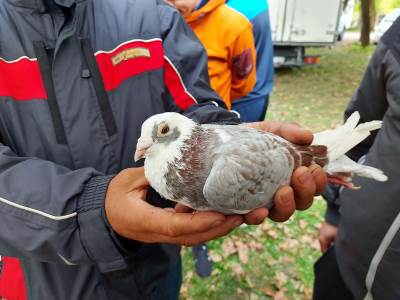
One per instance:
(184, 291)
(266, 226)
(280, 296)
(315, 245)
(256, 246)
(254, 296)
(273, 234)
(271, 261)
(289, 245)
(228, 248)
(189, 275)
(286, 260)
(237, 270)
(268, 291)
(306, 239)
(243, 251)
(281, 279)
(303, 224)
(215, 257)
(249, 282)
(239, 291)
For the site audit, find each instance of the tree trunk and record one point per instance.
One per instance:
(372, 11)
(365, 22)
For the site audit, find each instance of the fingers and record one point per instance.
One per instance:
(173, 224)
(320, 178)
(304, 187)
(289, 131)
(324, 245)
(295, 134)
(284, 204)
(132, 178)
(230, 223)
(256, 216)
(327, 236)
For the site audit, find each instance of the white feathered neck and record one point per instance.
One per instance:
(161, 154)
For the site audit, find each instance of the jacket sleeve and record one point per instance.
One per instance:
(370, 98)
(371, 102)
(186, 79)
(331, 195)
(242, 61)
(50, 213)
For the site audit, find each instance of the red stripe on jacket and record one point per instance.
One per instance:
(176, 87)
(12, 285)
(116, 72)
(21, 79)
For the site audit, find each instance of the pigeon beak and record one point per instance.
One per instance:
(142, 148)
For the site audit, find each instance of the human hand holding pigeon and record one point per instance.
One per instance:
(132, 217)
(234, 169)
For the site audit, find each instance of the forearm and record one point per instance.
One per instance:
(54, 214)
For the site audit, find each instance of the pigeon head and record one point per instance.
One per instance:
(163, 134)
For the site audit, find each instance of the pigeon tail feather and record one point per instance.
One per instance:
(342, 139)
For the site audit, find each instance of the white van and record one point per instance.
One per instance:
(296, 24)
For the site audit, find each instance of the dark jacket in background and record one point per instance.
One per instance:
(368, 243)
(77, 80)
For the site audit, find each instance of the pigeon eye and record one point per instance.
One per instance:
(164, 129)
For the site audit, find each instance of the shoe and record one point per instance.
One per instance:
(203, 263)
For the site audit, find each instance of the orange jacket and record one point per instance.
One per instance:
(228, 39)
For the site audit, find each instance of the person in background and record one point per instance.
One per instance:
(228, 39)
(361, 240)
(253, 106)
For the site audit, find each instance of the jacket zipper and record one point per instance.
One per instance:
(102, 97)
(45, 69)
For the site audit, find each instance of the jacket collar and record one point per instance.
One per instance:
(42, 5)
(207, 8)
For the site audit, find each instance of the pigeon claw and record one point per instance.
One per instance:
(342, 181)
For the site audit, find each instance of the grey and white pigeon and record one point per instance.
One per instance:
(235, 169)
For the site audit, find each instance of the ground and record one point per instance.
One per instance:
(275, 261)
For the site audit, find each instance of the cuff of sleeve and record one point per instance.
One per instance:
(97, 237)
(332, 215)
(209, 113)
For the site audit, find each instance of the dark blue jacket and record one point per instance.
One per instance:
(77, 80)
(368, 243)
(253, 106)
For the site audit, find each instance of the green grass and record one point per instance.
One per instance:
(277, 259)
(315, 96)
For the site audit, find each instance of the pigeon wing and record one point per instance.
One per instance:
(246, 173)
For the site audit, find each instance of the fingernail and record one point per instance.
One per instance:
(305, 178)
(261, 219)
(285, 198)
(238, 222)
(314, 168)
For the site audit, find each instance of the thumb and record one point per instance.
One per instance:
(324, 245)
(132, 178)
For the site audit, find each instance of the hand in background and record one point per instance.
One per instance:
(327, 236)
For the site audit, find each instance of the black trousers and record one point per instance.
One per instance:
(329, 284)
